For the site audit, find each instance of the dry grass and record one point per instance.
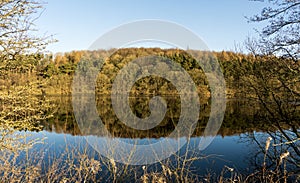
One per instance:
(77, 163)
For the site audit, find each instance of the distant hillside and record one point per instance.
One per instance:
(58, 70)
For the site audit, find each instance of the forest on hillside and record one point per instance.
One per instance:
(55, 72)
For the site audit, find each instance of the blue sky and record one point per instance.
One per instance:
(77, 24)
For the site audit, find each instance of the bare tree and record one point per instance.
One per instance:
(276, 82)
(275, 79)
(17, 28)
(281, 36)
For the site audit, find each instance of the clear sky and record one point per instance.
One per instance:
(77, 24)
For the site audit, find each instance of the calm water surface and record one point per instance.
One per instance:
(239, 143)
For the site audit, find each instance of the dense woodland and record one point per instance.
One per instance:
(55, 72)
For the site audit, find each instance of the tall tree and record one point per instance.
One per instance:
(275, 79)
(21, 108)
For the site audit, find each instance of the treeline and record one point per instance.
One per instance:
(58, 69)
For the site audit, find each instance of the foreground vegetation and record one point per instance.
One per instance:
(78, 163)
